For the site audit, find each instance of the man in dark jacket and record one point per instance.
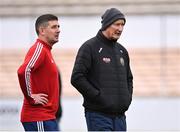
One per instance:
(103, 76)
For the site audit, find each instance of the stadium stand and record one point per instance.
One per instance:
(86, 7)
(156, 71)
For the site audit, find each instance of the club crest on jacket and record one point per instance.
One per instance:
(121, 61)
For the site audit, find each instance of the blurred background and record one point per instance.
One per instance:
(151, 35)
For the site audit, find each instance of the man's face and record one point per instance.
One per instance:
(51, 32)
(115, 29)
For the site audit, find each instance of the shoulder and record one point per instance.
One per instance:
(37, 49)
(121, 47)
(89, 44)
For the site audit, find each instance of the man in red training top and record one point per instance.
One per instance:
(38, 78)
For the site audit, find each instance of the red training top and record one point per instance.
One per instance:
(39, 74)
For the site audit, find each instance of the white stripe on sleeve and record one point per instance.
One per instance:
(30, 65)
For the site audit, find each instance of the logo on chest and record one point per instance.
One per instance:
(121, 61)
(52, 61)
(106, 59)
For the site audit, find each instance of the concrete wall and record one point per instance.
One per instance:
(86, 7)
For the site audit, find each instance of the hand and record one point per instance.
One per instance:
(40, 98)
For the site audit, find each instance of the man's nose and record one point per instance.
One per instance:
(58, 30)
(120, 28)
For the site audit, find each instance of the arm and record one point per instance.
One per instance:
(129, 77)
(81, 68)
(128, 70)
(33, 60)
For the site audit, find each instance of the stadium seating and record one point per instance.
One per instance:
(156, 71)
(86, 7)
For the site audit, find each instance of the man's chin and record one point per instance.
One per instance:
(55, 41)
(115, 38)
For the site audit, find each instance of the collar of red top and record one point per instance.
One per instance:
(44, 43)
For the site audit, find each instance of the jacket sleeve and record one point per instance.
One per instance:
(79, 75)
(129, 76)
(33, 60)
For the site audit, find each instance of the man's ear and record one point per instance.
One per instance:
(41, 30)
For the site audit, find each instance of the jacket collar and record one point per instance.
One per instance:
(45, 44)
(104, 39)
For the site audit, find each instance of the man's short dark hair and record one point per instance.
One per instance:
(43, 21)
